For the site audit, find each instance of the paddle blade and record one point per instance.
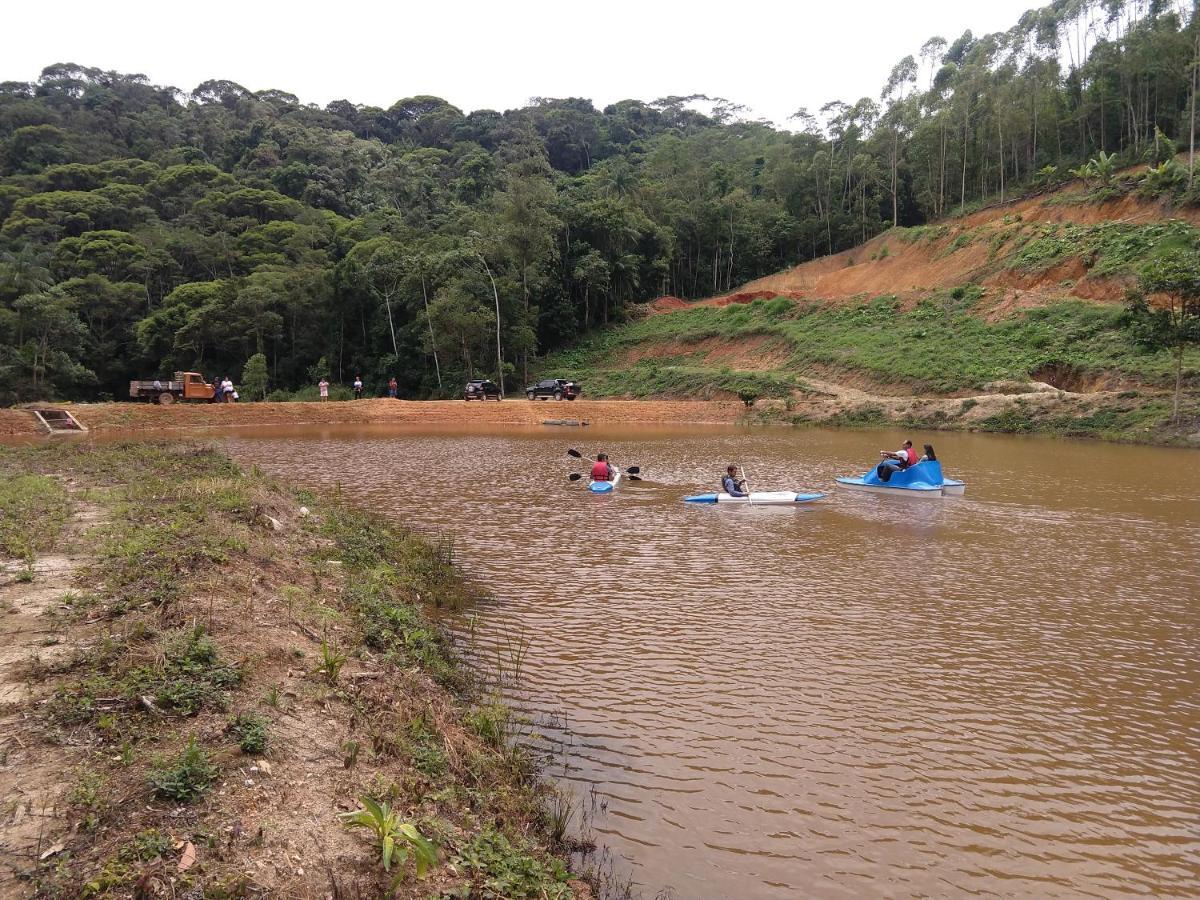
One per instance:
(633, 477)
(633, 470)
(574, 476)
(575, 453)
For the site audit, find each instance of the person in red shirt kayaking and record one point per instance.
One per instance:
(896, 461)
(601, 470)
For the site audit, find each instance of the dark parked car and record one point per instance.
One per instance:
(558, 388)
(481, 389)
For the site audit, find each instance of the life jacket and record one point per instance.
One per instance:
(911, 455)
(600, 471)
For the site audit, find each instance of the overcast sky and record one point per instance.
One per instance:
(774, 58)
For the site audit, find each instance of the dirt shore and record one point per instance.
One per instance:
(200, 677)
(148, 416)
(845, 402)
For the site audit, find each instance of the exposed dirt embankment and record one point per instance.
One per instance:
(512, 412)
(973, 248)
(18, 421)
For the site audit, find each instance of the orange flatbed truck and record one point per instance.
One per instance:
(183, 386)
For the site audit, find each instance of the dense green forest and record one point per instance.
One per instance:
(145, 229)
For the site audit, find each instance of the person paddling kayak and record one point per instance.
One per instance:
(732, 485)
(601, 470)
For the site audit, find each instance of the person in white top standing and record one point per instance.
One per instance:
(323, 387)
(227, 390)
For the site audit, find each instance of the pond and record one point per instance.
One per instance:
(869, 695)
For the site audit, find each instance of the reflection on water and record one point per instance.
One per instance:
(869, 696)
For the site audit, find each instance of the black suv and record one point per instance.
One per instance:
(481, 389)
(558, 388)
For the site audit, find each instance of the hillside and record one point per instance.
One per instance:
(1011, 318)
(147, 228)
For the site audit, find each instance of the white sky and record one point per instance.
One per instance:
(772, 57)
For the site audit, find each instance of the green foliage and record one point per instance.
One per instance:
(940, 345)
(147, 845)
(187, 778)
(388, 575)
(491, 723)
(501, 869)
(33, 510)
(397, 839)
(1110, 248)
(1166, 179)
(254, 377)
(140, 234)
(251, 731)
(332, 661)
(189, 677)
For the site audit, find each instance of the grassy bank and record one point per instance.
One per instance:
(939, 347)
(33, 509)
(234, 675)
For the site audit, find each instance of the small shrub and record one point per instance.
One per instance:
(332, 661)
(251, 731)
(187, 778)
(153, 843)
(501, 869)
(396, 838)
(191, 676)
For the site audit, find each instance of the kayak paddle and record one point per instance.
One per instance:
(631, 471)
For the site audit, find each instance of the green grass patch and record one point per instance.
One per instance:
(390, 573)
(33, 510)
(251, 731)
(940, 346)
(1109, 248)
(185, 778)
(499, 868)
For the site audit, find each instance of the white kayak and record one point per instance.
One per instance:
(757, 498)
(605, 487)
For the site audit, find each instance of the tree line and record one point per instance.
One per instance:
(145, 230)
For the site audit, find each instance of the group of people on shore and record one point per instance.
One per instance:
(393, 388)
(224, 391)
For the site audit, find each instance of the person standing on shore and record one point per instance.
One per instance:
(358, 387)
(227, 390)
(393, 387)
(323, 388)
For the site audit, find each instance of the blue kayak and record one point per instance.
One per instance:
(605, 487)
(925, 478)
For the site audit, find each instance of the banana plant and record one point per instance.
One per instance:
(1104, 167)
(396, 837)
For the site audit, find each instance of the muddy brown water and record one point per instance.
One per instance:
(870, 696)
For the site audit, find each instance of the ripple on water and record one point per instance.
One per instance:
(870, 696)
